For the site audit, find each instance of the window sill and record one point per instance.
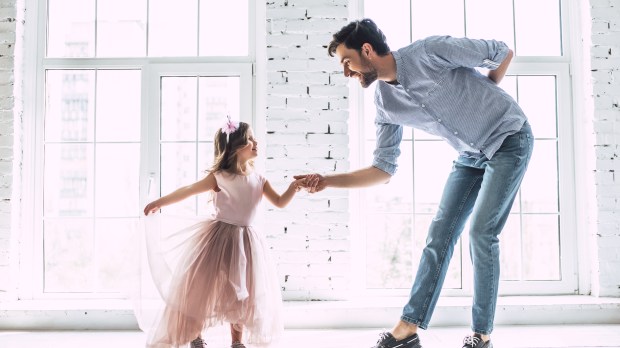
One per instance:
(359, 313)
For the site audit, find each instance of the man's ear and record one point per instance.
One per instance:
(367, 49)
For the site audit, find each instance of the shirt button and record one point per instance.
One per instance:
(456, 133)
(423, 105)
(472, 144)
(439, 120)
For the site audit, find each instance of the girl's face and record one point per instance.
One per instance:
(250, 150)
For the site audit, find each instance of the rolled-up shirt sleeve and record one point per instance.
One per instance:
(387, 148)
(451, 53)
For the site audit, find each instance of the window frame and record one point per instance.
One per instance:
(560, 68)
(29, 284)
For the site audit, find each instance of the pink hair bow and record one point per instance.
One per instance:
(230, 126)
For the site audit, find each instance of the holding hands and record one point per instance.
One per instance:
(311, 182)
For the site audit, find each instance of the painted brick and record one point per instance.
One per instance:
(287, 65)
(317, 3)
(281, 114)
(285, 40)
(286, 13)
(327, 91)
(308, 78)
(320, 39)
(307, 103)
(599, 51)
(331, 12)
(604, 62)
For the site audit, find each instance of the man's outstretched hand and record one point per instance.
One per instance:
(312, 182)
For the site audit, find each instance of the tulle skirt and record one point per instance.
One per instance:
(209, 274)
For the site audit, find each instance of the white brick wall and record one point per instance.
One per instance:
(8, 11)
(605, 60)
(307, 132)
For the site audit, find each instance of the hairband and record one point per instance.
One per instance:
(229, 127)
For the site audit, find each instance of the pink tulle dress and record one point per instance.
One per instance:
(220, 272)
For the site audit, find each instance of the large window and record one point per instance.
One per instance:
(131, 93)
(537, 245)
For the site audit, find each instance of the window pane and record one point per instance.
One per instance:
(218, 97)
(388, 251)
(510, 249)
(69, 108)
(439, 17)
(68, 180)
(395, 196)
(118, 105)
(541, 244)
(178, 108)
(178, 168)
(71, 28)
(432, 162)
(393, 20)
(117, 243)
(509, 84)
(117, 175)
(121, 28)
(543, 38)
(173, 28)
(68, 251)
(537, 98)
(539, 190)
(482, 25)
(224, 28)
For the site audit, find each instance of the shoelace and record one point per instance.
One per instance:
(198, 343)
(237, 345)
(470, 341)
(382, 336)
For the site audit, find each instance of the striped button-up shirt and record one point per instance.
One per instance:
(440, 92)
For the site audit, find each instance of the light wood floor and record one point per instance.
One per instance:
(441, 337)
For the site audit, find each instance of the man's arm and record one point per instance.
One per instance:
(498, 74)
(364, 177)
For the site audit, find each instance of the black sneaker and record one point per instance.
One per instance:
(386, 340)
(237, 345)
(476, 342)
(198, 343)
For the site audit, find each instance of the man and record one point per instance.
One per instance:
(432, 85)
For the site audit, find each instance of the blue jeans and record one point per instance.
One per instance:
(485, 190)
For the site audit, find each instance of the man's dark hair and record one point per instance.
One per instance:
(357, 33)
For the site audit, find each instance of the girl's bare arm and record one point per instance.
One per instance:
(283, 200)
(204, 185)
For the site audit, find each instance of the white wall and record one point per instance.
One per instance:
(10, 115)
(307, 130)
(605, 61)
(306, 125)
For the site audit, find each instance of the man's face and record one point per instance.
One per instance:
(356, 65)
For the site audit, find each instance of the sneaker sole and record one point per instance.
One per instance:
(417, 345)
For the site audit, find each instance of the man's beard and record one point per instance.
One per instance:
(368, 78)
(370, 75)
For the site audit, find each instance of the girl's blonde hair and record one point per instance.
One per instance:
(226, 147)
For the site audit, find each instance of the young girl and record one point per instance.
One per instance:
(225, 273)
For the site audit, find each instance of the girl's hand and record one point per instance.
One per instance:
(299, 184)
(152, 207)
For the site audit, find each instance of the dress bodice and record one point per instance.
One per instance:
(238, 197)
